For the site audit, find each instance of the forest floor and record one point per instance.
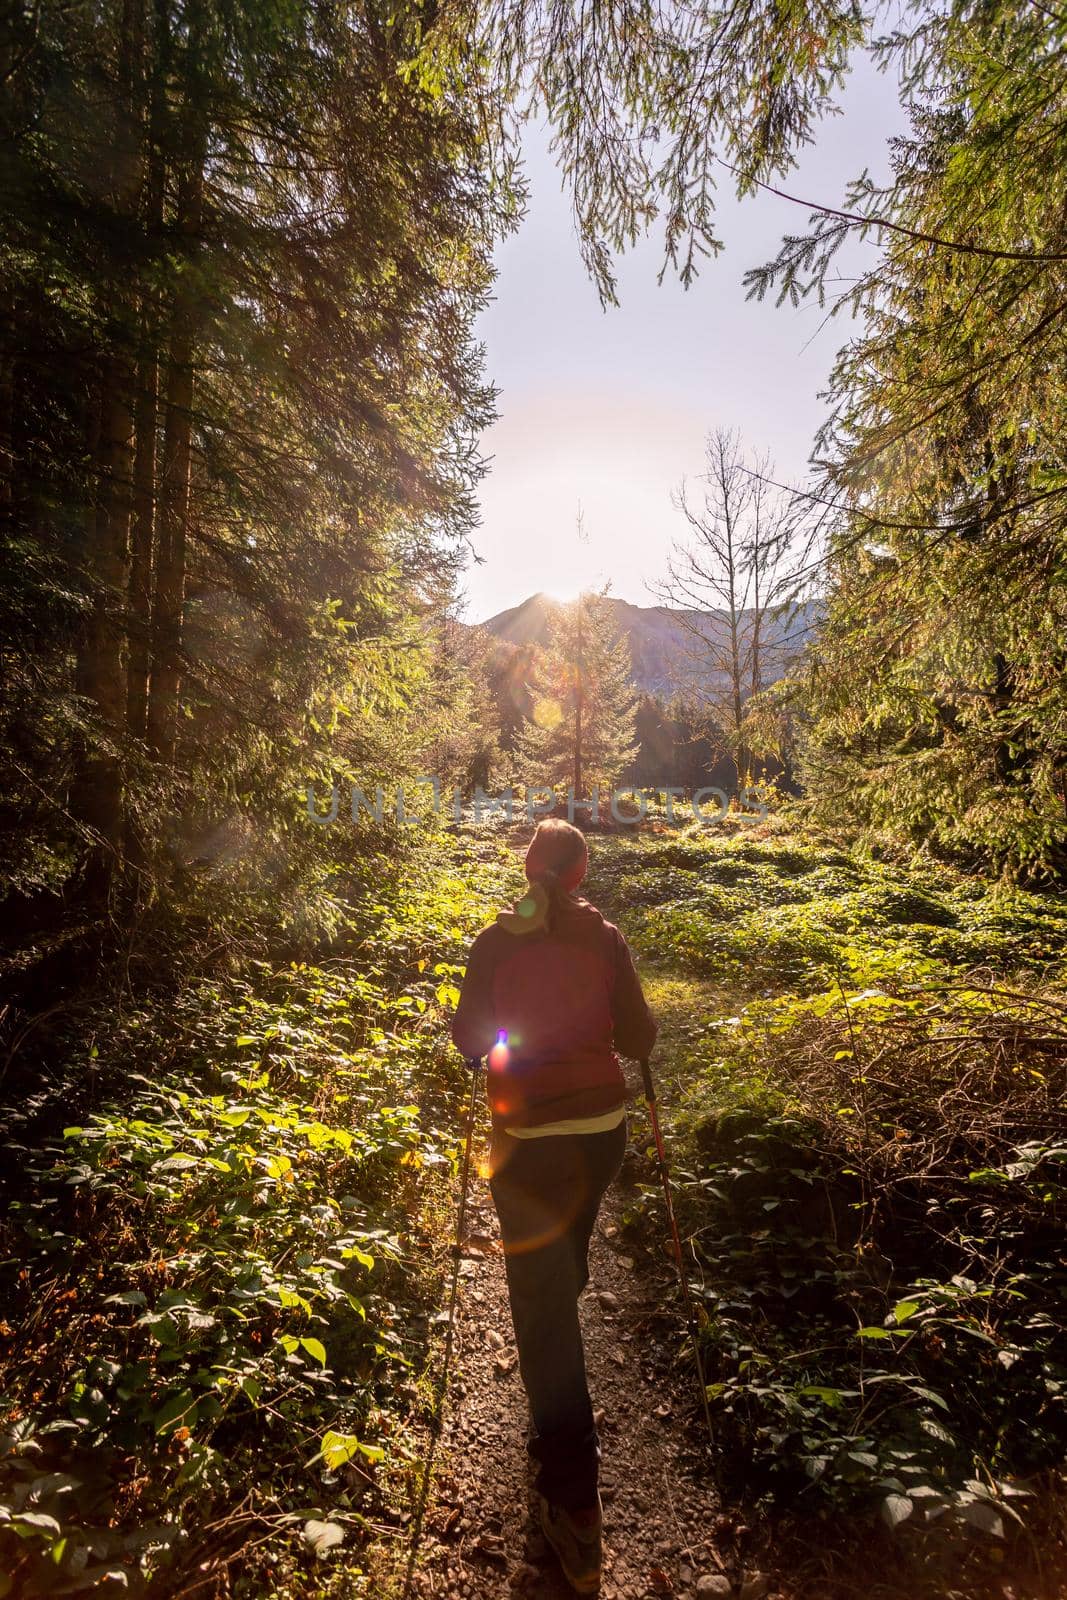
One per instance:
(481, 1535)
(227, 1287)
(669, 1531)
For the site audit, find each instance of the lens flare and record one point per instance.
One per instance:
(499, 1054)
(547, 713)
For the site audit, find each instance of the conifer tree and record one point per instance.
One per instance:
(582, 727)
(936, 691)
(240, 258)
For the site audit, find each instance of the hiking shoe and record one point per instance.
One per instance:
(578, 1547)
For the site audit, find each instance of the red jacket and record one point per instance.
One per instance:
(566, 1001)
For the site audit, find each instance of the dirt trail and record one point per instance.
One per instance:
(481, 1536)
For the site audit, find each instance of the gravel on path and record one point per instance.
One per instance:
(481, 1537)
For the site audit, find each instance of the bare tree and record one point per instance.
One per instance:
(734, 585)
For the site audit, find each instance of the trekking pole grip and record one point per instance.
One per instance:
(646, 1078)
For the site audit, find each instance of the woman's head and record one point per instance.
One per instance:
(558, 854)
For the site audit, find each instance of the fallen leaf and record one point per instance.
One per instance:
(491, 1545)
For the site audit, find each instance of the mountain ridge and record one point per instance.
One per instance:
(657, 636)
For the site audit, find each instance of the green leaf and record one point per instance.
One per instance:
(315, 1349)
(980, 1514)
(289, 1298)
(337, 1448)
(830, 1397)
(905, 1309)
(928, 1394)
(178, 1411)
(896, 1508)
(34, 1522)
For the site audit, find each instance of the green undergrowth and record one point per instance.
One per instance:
(220, 1280)
(217, 1286)
(785, 916)
(866, 1069)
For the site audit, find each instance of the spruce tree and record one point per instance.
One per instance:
(936, 691)
(582, 727)
(241, 254)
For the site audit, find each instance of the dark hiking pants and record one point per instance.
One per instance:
(547, 1192)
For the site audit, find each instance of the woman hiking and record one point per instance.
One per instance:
(550, 995)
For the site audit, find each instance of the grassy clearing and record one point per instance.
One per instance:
(867, 1065)
(218, 1285)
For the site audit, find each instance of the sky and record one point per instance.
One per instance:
(608, 410)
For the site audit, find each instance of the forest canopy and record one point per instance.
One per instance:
(241, 398)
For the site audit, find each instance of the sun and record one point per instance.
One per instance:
(567, 593)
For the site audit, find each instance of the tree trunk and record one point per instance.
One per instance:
(736, 663)
(99, 785)
(144, 500)
(174, 478)
(98, 791)
(144, 472)
(579, 695)
(7, 404)
(578, 748)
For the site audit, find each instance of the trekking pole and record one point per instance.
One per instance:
(474, 1064)
(690, 1309)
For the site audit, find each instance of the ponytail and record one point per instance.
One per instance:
(548, 878)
